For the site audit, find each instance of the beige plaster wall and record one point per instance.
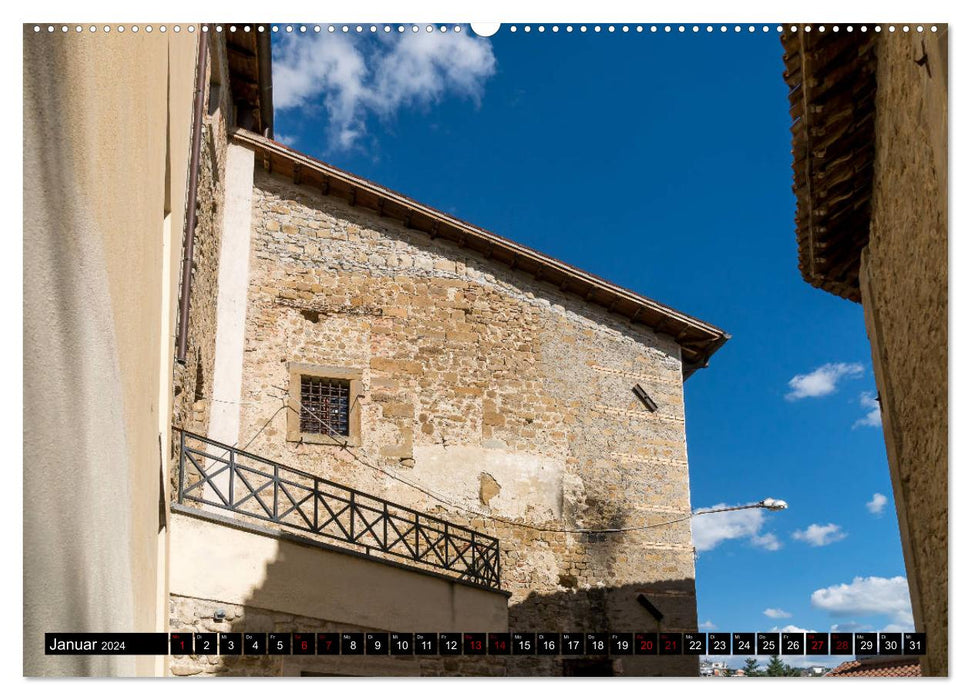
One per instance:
(257, 570)
(106, 132)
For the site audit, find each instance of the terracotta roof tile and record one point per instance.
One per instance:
(903, 667)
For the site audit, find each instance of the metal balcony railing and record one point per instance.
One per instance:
(221, 476)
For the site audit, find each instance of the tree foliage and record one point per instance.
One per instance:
(776, 667)
(751, 667)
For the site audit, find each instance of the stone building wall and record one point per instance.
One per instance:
(196, 615)
(192, 382)
(904, 285)
(501, 396)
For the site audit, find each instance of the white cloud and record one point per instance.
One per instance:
(852, 626)
(353, 78)
(790, 628)
(872, 418)
(857, 627)
(421, 68)
(710, 530)
(285, 139)
(776, 613)
(707, 625)
(822, 381)
(820, 535)
(872, 595)
(767, 541)
(876, 504)
(321, 68)
(906, 617)
(894, 627)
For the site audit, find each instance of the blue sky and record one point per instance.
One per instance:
(660, 161)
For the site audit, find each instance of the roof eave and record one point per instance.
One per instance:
(698, 340)
(832, 87)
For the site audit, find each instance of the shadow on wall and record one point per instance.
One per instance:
(251, 616)
(570, 608)
(669, 606)
(264, 584)
(659, 606)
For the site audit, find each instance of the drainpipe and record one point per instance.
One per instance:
(189, 238)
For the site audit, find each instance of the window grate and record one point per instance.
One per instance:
(325, 406)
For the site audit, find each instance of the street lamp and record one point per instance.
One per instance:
(767, 503)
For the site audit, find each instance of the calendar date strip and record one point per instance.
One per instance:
(489, 643)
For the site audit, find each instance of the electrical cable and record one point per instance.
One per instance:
(235, 445)
(346, 447)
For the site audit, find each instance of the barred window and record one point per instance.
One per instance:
(325, 406)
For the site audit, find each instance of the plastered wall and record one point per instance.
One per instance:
(107, 120)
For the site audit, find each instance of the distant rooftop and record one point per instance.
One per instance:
(879, 667)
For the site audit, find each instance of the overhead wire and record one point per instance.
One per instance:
(345, 445)
(235, 445)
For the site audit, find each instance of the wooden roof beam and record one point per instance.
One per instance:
(242, 51)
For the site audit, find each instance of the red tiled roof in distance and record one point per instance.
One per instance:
(879, 667)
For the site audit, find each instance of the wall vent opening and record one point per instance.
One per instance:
(644, 398)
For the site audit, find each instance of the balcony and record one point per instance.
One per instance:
(217, 476)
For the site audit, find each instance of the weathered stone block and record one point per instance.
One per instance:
(481, 361)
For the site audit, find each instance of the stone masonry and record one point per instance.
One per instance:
(508, 400)
(905, 302)
(192, 382)
(195, 615)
